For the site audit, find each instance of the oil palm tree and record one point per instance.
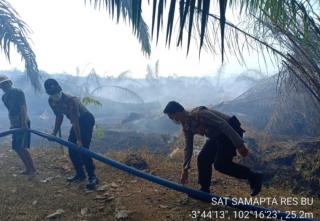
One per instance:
(13, 31)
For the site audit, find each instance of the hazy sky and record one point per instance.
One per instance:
(67, 34)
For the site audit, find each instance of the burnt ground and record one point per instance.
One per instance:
(120, 196)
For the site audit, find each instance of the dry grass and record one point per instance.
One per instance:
(23, 199)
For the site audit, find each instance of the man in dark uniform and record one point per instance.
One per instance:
(224, 138)
(15, 102)
(80, 133)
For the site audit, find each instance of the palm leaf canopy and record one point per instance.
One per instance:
(13, 31)
(194, 11)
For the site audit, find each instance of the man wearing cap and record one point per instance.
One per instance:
(224, 138)
(15, 102)
(80, 133)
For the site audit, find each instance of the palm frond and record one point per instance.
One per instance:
(223, 7)
(170, 21)
(160, 15)
(90, 100)
(130, 10)
(13, 31)
(122, 92)
(284, 11)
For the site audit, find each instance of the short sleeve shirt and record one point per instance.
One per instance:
(14, 99)
(68, 105)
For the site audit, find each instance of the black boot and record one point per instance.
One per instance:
(255, 182)
(76, 178)
(93, 181)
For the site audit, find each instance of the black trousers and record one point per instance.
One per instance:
(219, 152)
(79, 160)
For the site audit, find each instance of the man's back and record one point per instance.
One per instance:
(198, 110)
(14, 99)
(211, 123)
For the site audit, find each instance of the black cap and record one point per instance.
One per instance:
(52, 86)
(173, 107)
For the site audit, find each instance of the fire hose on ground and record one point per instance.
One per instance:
(266, 212)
